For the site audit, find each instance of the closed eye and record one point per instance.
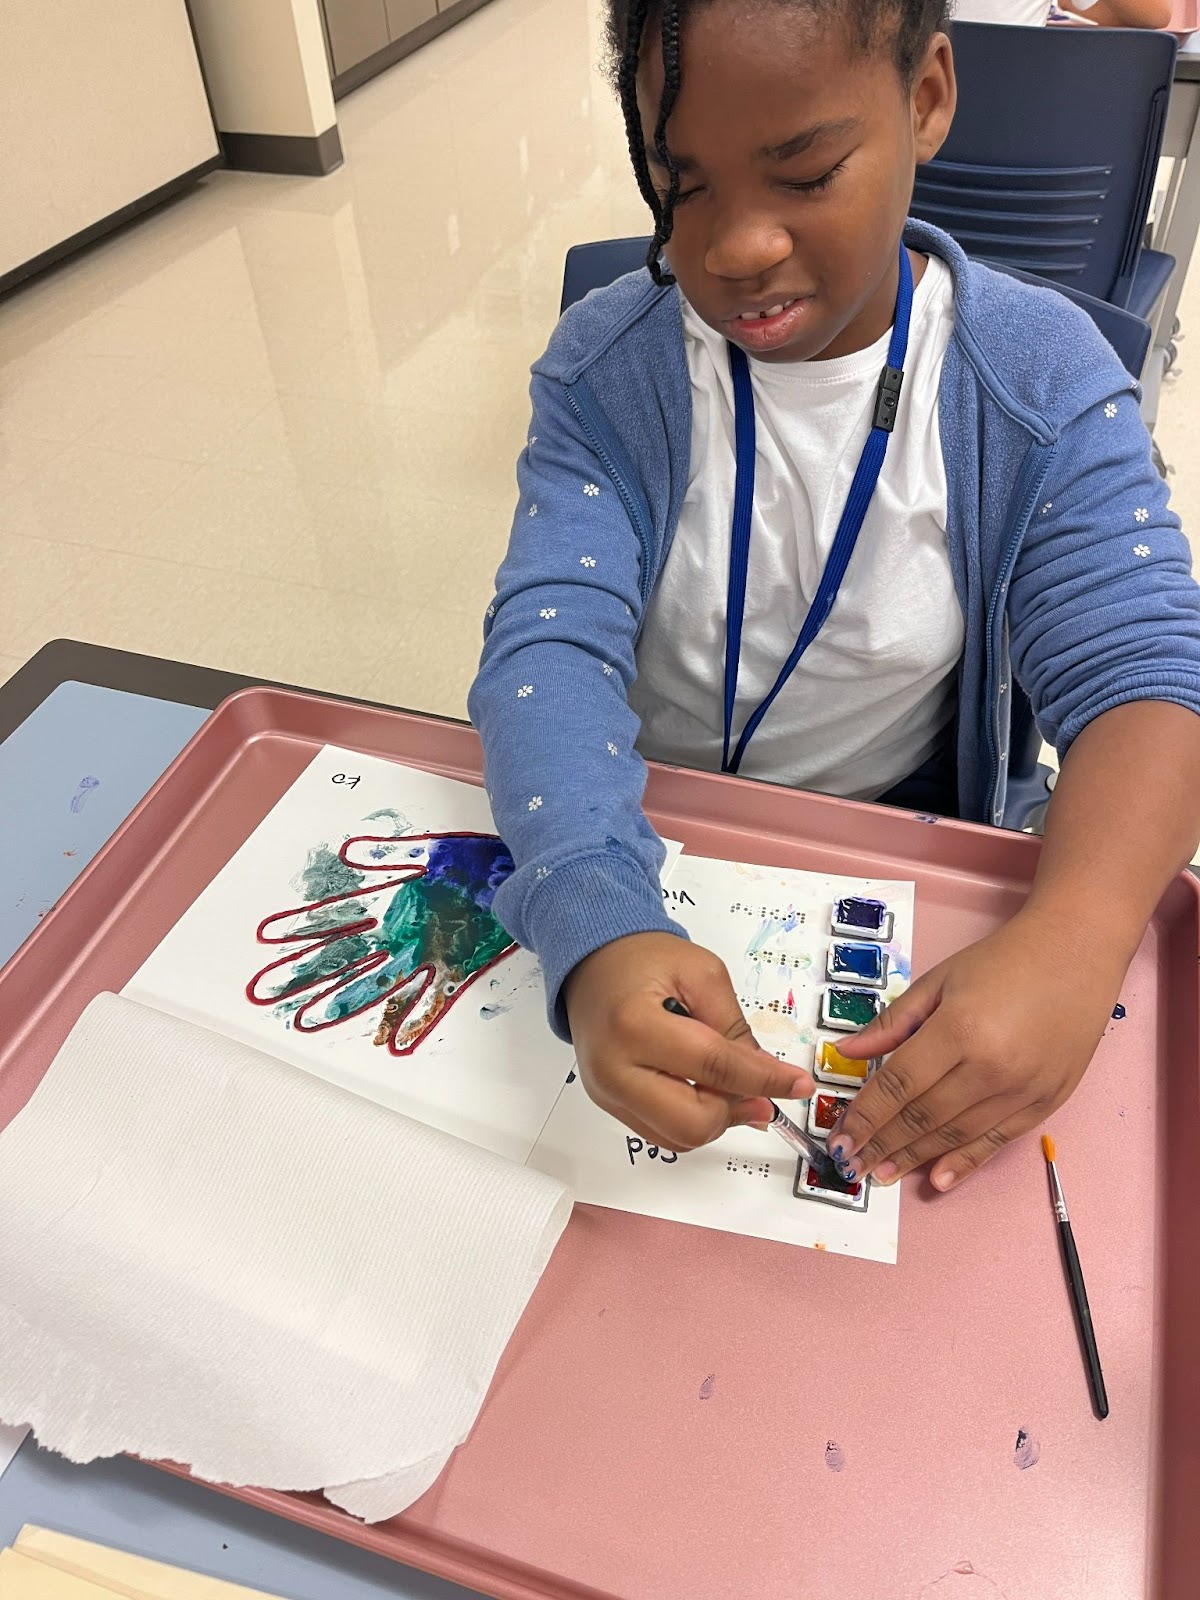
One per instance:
(815, 185)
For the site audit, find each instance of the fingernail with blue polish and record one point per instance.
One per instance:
(837, 1151)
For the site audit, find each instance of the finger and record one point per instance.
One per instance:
(908, 1074)
(682, 1116)
(685, 1047)
(897, 1022)
(952, 1169)
(899, 1156)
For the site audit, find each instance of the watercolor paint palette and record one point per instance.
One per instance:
(829, 1189)
(851, 962)
(856, 917)
(774, 930)
(823, 1111)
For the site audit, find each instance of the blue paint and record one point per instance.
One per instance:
(81, 796)
(861, 961)
(1118, 1013)
(856, 912)
(490, 1013)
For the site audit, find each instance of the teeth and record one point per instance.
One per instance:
(761, 316)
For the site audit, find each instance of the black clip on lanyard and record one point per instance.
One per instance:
(866, 476)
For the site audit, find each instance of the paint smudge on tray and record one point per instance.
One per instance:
(835, 1456)
(925, 816)
(709, 1387)
(1119, 1013)
(490, 1013)
(1027, 1452)
(83, 794)
(977, 1584)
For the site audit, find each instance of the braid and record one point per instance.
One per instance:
(626, 75)
(908, 26)
(671, 75)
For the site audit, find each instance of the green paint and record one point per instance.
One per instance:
(847, 1006)
(326, 874)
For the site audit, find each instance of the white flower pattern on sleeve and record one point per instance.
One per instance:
(547, 612)
(491, 611)
(608, 670)
(1110, 410)
(524, 691)
(543, 872)
(533, 509)
(1141, 515)
(1141, 551)
(587, 561)
(535, 803)
(591, 490)
(1049, 506)
(612, 749)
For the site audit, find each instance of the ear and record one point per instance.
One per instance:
(934, 97)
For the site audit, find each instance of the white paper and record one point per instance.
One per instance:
(488, 1071)
(772, 929)
(210, 1257)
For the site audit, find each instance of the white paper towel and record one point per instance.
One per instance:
(208, 1256)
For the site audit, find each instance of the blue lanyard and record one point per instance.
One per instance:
(866, 476)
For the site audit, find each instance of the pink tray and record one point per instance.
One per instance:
(1185, 19)
(596, 1468)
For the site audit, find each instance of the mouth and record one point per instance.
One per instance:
(770, 327)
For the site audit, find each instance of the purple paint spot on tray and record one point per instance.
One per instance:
(1118, 1013)
(835, 1456)
(708, 1387)
(925, 816)
(1028, 1451)
(80, 798)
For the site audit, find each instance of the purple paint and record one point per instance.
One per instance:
(857, 912)
(1118, 1013)
(708, 1387)
(835, 1456)
(80, 798)
(1027, 1453)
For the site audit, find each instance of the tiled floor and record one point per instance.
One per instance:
(272, 427)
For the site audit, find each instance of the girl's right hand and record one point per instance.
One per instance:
(678, 1082)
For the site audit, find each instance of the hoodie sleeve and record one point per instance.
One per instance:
(550, 704)
(1103, 608)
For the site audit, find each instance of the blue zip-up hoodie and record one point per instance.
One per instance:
(1072, 574)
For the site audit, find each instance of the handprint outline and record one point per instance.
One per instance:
(436, 937)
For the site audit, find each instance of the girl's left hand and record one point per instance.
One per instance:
(986, 1046)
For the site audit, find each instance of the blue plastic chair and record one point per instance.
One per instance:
(593, 266)
(1050, 162)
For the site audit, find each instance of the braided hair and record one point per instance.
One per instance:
(908, 25)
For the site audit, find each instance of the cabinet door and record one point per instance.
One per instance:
(357, 29)
(405, 15)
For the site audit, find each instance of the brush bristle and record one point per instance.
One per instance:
(1048, 1147)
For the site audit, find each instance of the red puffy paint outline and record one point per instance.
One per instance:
(364, 964)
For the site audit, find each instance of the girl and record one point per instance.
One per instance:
(1016, 531)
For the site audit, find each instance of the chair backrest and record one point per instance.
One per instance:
(595, 266)
(1050, 163)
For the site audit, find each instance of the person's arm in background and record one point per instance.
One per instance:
(1105, 626)
(1121, 13)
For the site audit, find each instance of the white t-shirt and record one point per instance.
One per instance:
(874, 692)
(1026, 13)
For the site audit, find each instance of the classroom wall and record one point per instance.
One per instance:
(266, 66)
(99, 106)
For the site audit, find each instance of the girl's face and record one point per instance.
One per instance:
(796, 154)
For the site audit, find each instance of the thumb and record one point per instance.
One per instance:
(896, 1022)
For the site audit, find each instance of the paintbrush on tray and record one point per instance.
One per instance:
(1079, 1299)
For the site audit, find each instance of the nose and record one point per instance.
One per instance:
(745, 246)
